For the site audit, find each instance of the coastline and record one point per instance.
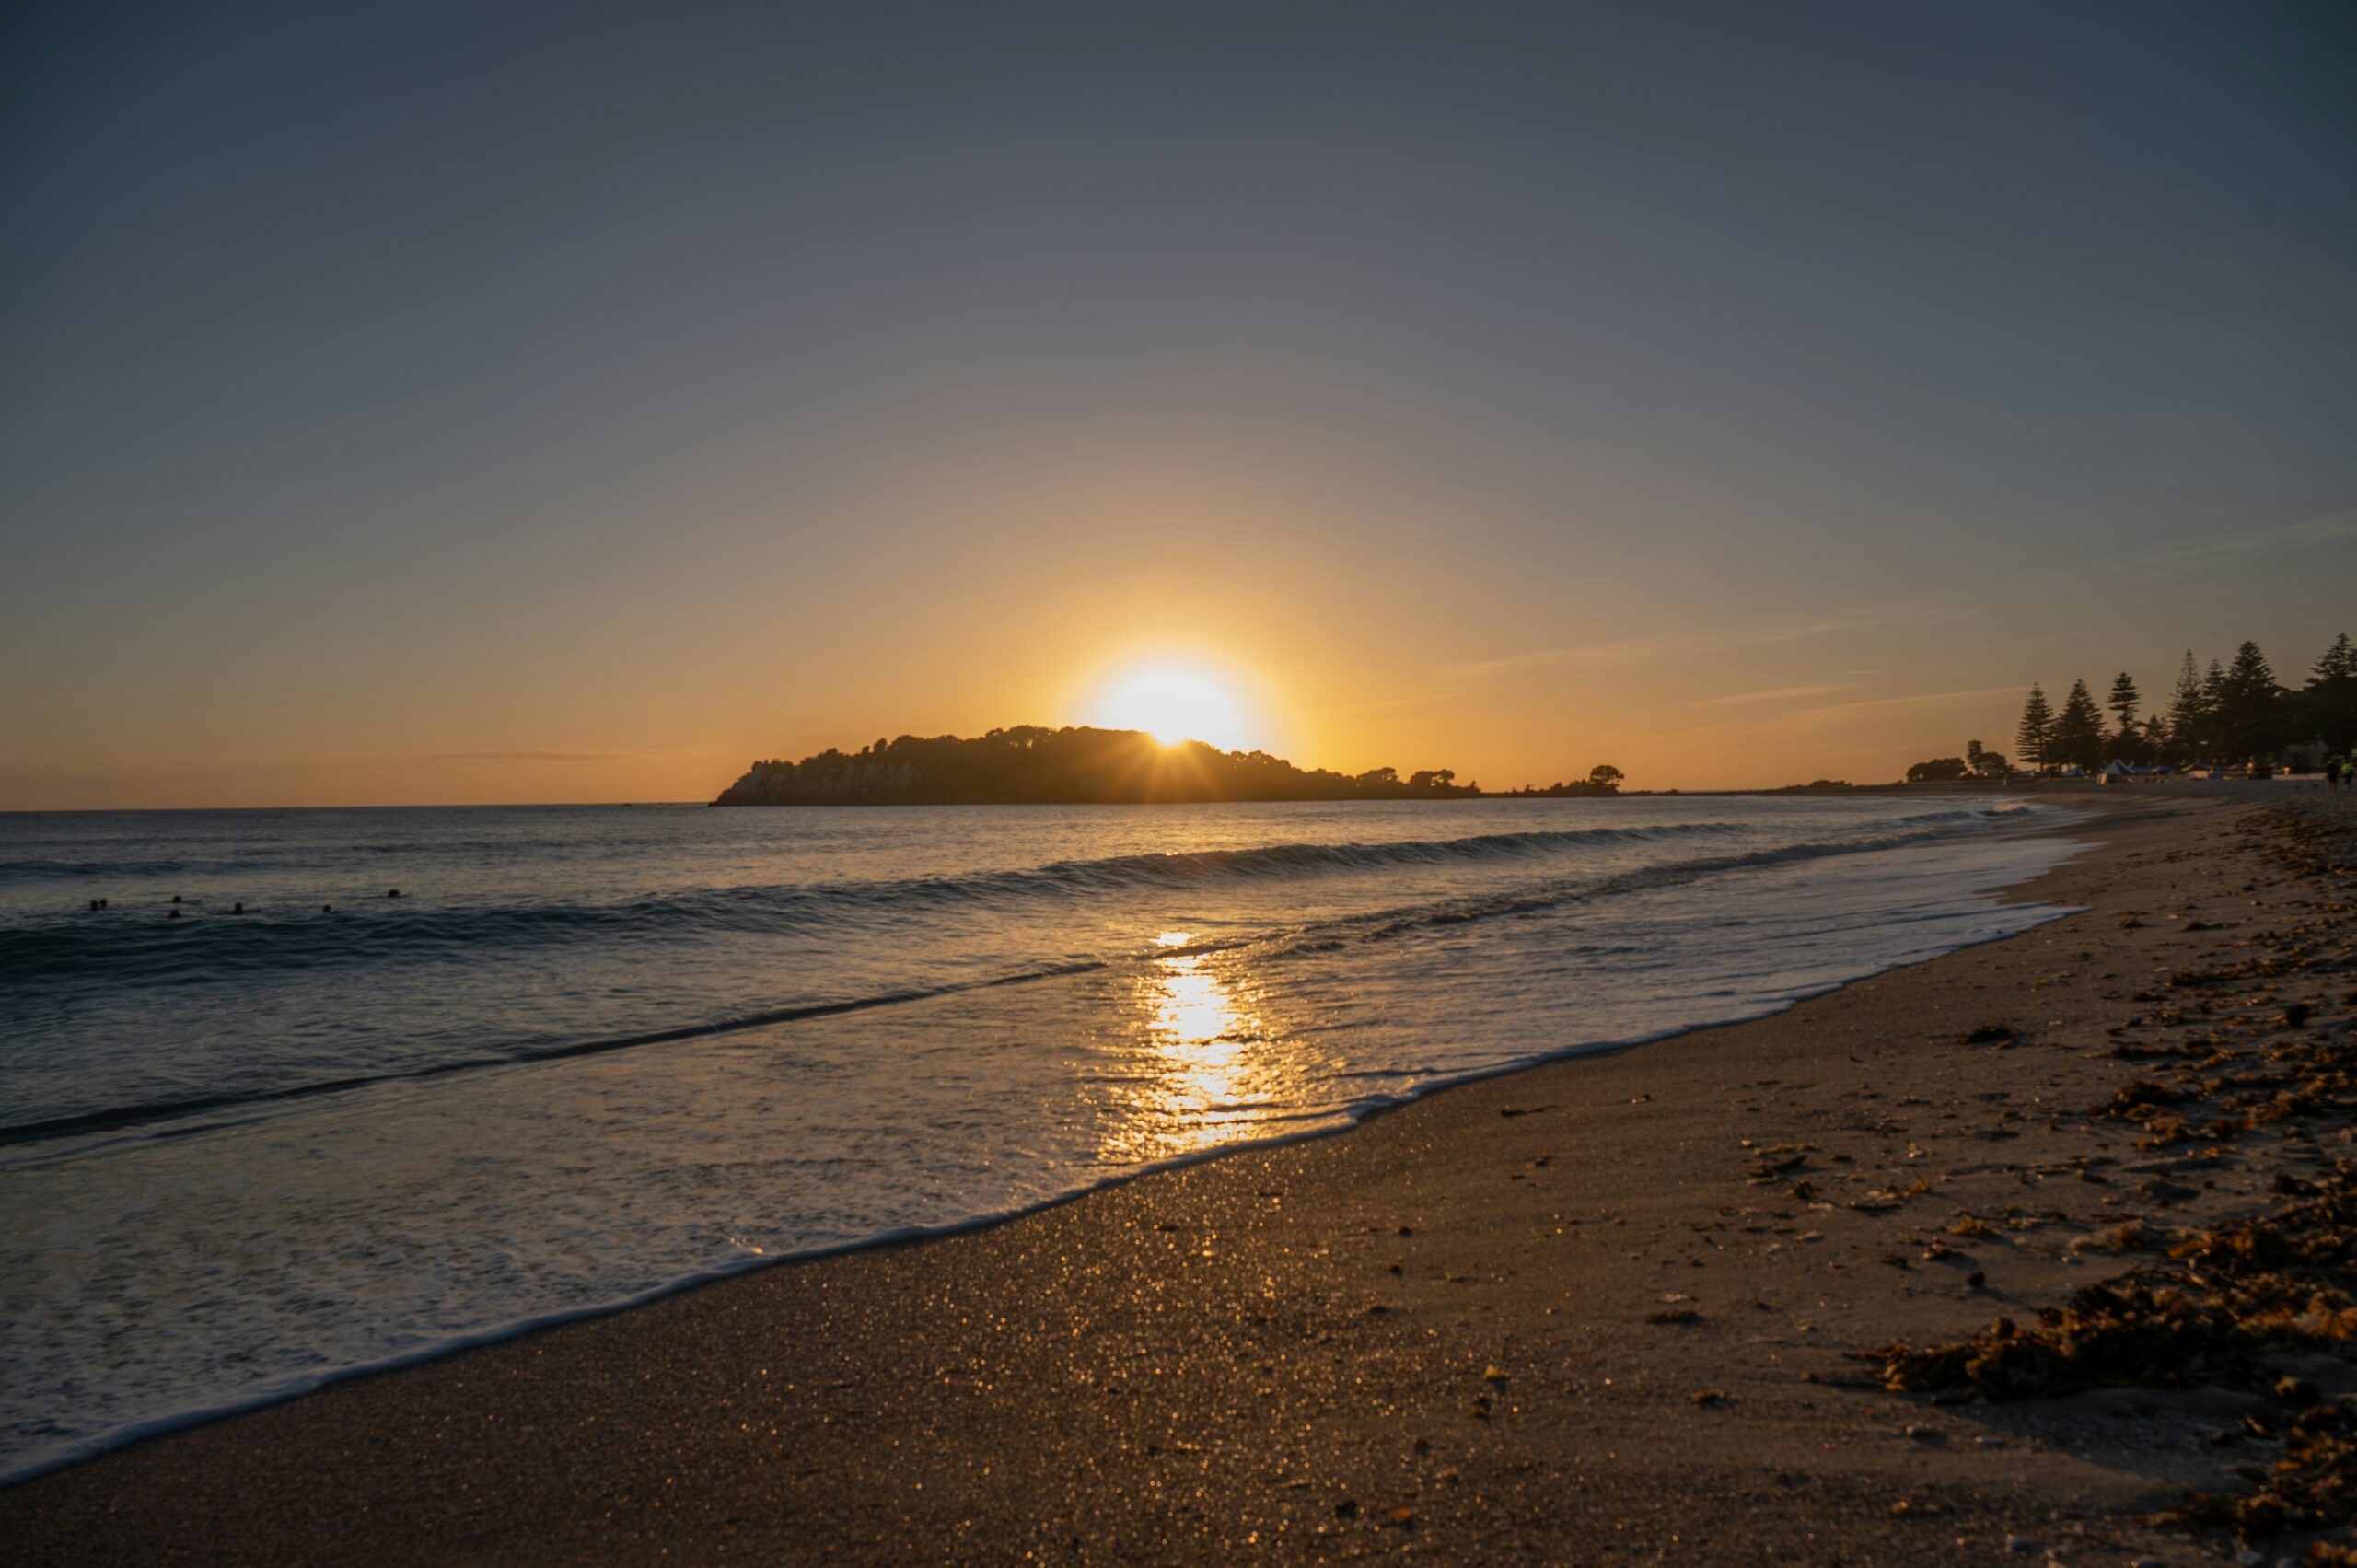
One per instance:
(1293, 1343)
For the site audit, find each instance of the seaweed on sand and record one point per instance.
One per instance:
(2222, 1300)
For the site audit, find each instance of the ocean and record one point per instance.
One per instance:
(589, 1054)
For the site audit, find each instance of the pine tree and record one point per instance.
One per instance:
(2327, 709)
(2125, 700)
(2188, 721)
(2214, 712)
(2250, 672)
(2338, 663)
(2078, 730)
(2037, 729)
(2250, 708)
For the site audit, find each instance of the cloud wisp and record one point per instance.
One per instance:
(1775, 694)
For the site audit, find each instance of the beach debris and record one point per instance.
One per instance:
(2134, 1235)
(1709, 1399)
(2283, 1279)
(1990, 1034)
(1770, 1163)
(2138, 1100)
(2311, 1484)
(1674, 1317)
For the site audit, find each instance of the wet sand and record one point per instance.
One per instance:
(1598, 1311)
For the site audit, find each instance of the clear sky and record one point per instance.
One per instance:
(417, 403)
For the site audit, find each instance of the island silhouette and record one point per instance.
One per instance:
(1031, 764)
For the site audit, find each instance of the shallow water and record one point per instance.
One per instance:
(592, 1052)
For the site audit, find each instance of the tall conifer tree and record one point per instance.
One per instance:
(2338, 663)
(2078, 730)
(2328, 706)
(2187, 739)
(2250, 705)
(2125, 700)
(2037, 729)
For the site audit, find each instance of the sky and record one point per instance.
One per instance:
(434, 404)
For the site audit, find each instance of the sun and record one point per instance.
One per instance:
(1174, 704)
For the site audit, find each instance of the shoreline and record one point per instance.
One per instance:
(246, 1475)
(1339, 1119)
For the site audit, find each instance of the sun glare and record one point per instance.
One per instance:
(1174, 705)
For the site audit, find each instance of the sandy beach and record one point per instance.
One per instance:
(1611, 1309)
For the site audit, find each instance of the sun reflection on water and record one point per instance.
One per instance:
(1206, 1070)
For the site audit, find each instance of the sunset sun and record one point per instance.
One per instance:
(1174, 704)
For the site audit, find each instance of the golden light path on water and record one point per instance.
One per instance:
(1211, 1056)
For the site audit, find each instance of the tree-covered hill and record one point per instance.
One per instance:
(1032, 765)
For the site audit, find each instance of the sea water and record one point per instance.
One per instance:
(591, 1053)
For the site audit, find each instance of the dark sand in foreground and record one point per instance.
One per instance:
(1432, 1336)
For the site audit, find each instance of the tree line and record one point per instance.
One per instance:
(2233, 712)
(1077, 765)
